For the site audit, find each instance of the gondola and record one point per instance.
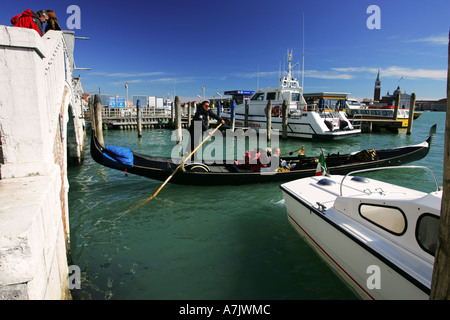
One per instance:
(160, 168)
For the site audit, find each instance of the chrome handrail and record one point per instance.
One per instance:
(394, 167)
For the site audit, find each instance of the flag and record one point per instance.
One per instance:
(321, 169)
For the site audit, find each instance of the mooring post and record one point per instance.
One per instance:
(247, 107)
(412, 106)
(178, 118)
(233, 115)
(139, 118)
(440, 283)
(284, 119)
(172, 114)
(189, 114)
(397, 105)
(269, 120)
(91, 110)
(98, 123)
(219, 110)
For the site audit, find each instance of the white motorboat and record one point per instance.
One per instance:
(304, 120)
(379, 237)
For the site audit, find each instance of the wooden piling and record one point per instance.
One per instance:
(172, 114)
(178, 118)
(412, 106)
(98, 125)
(284, 119)
(189, 114)
(139, 118)
(440, 283)
(91, 110)
(397, 105)
(269, 120)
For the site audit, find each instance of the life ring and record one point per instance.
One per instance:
(276, 111)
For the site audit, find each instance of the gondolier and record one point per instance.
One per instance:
(200, 123)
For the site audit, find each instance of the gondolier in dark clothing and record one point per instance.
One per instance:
(200, 120)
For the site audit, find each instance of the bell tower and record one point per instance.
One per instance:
(377, 91)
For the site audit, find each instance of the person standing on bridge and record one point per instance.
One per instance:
(52, 22)
(30, 20)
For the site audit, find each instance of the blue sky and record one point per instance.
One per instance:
(167, 48)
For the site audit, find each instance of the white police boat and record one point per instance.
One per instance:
(305, 121)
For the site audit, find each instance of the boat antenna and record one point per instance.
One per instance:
(303, 58)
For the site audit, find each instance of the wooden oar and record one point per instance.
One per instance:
(175, 171)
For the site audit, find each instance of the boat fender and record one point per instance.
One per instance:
(329, 125)
(343, 124)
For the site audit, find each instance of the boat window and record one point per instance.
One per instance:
(271, 96)
(295, 96)
(427, 231)
(353, 103)
(388, 218)
(258, 96)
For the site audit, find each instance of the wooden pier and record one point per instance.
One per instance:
(127, 118)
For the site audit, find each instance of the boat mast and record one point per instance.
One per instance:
(289, 54)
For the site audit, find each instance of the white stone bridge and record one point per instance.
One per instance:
(41, 130)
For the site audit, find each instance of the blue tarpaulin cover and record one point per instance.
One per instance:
(119, 155)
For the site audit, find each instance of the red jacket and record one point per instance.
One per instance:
(27, 19)
(252, 160)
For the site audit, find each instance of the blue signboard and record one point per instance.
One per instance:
(116, 102)
(120, 102)
(243, 92)
(112, 102)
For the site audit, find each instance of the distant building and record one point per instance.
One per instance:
(389, 99)
(431, 105)
(405, 99)
(377, 91)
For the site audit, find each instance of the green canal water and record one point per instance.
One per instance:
(221, 242)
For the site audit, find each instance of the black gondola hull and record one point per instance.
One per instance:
(160, 168)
